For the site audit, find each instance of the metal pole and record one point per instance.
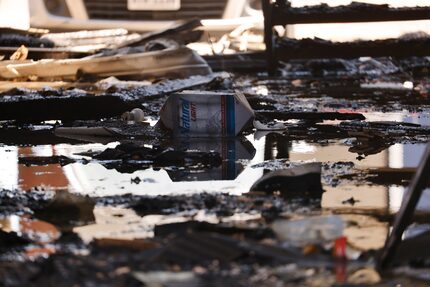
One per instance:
(268, 36)
(407, 209)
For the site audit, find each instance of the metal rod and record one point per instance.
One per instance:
(268, 36)
(407, 209)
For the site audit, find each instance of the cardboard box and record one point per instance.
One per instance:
(206, 114)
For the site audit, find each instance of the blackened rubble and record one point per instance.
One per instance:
(382, 176)
(13, 39)
(133, 157)
(364, 137)
(355, 8)
(67, 209)
(121, 130)
(226, 229)
(45, 160)
(115, 266)
(222, 205)
(310, 116)
(319, 48)
(204, 232)
(180, 157)
(129, 157)
(18, 202)
(77, 104)
(27, 135)
(326, 72)
(11, 240)
(303, 181)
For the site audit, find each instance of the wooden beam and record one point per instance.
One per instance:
(346, 14)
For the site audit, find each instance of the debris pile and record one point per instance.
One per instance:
(126, 160)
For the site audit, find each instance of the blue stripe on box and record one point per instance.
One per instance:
(231, 159)
(231, 116)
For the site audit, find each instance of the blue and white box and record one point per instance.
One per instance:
(206, 114)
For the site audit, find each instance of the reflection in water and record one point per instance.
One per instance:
(365, 232)
(229, 177)
(235, 176)
(396, 195)
(336, 151)
(367, 199)
(42, 233)
(232, 151)
(277, 147)
(35, 230)
(8, 167)
(50, 176)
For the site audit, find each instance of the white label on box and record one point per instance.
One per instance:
(154, 5)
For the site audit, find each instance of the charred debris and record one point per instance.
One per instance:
(151, 103)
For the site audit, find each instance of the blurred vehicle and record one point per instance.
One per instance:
(141, 15)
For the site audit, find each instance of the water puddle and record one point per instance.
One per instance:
(235, 176)
(243, 162)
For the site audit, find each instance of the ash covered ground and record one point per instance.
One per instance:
(139, 206)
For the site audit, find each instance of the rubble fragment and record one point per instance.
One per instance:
(313, 230)
(304, 180)
(157, 279)
(134, 157)
(199, 226)
(62, 160)
(67, 209)
(181, 62)
(77, 104)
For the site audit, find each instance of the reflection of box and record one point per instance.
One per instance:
(200, 113)
(231, 150)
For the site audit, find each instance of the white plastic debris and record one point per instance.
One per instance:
(388, 86)
(114, 82)
(161, 279)
(135, 115)
(92, 131)
(310, 230)
(269, 127)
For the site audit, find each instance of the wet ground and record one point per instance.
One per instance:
(109, 211)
